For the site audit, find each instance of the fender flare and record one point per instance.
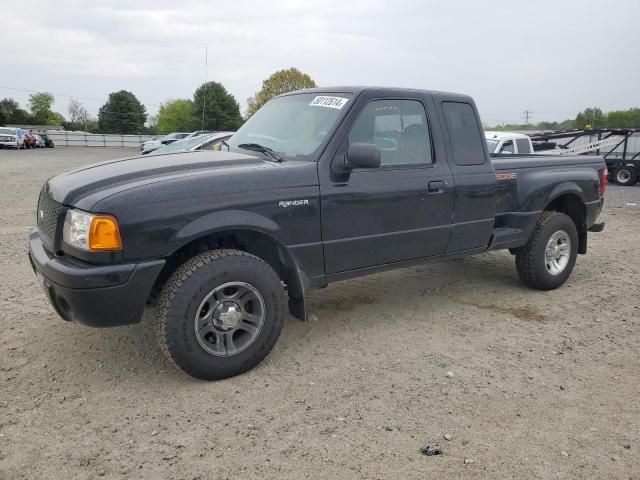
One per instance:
(246, 221)
(570, 188)
(565, 188)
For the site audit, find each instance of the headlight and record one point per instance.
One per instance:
(91, 232)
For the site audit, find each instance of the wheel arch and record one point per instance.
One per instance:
(248, 232)
(571, 203)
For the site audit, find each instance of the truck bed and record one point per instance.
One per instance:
(528, 183)
(503, 162)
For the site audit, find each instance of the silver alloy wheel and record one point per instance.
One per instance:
(229, 319)
(558, 252)
(623, 175)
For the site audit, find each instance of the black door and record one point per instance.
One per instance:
(475, 178)
(397, 212)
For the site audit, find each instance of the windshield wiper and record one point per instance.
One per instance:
(256, 147)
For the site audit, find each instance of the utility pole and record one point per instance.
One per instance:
(204, 93)
(527, 115)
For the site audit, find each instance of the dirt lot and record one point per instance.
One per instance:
(545, 385)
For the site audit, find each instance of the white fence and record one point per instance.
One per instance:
(80, 139)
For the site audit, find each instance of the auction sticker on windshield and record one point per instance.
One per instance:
(330, 102)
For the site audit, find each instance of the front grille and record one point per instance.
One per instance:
(48, 218)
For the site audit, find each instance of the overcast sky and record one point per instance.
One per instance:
(554, 58)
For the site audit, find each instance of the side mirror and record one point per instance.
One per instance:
(363, 155)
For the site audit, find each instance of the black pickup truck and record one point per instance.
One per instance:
(318, 186)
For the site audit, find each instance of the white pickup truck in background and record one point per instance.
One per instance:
(508, 142)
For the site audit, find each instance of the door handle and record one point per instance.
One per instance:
(436, 186)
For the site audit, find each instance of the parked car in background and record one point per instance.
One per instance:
(48, 143)
(212, 141)
(29, 139)
(11, 138)
(508, 142)
(39, 141)
(151, 145)
(197, 133)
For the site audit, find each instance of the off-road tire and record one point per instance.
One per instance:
(531, 260)
(182, 295)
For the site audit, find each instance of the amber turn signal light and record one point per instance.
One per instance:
(104, 234)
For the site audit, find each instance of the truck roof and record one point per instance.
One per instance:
(356, 90)
(500, 135)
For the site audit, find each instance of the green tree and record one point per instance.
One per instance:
(8, 107)
(55, 119)
(123, 113)
(567, 124)
(624, 118)
(22, 117)
(280, 82)
(176, 116)
(40, 105)
(221, 110)
(591, 117)
(13, 114)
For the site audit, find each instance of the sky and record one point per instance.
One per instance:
(553, 58)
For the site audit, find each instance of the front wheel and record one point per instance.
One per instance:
(626, 176)
(220, 314)
(548, 258)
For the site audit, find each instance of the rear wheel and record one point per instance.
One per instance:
(626, 176)
(220, 314)
(548, 258)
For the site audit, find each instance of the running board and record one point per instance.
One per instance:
(504, 236)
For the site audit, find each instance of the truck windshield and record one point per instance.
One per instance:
(293, 126)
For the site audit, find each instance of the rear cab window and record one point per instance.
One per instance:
(467, 140)
(523, 144)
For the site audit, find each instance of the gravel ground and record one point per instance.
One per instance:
(543, 385)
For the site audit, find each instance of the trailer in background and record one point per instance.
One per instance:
(620, 148)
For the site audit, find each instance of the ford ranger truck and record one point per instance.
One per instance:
(318, 186)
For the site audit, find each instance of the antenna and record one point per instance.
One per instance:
(204, 93)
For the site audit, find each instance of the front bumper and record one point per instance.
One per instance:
(94, 295)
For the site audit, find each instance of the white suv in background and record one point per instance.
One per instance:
(151, 145)
(11, 138)
(508, 142)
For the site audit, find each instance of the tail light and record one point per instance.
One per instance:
(604, 174)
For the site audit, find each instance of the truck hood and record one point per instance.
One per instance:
(86, 186)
